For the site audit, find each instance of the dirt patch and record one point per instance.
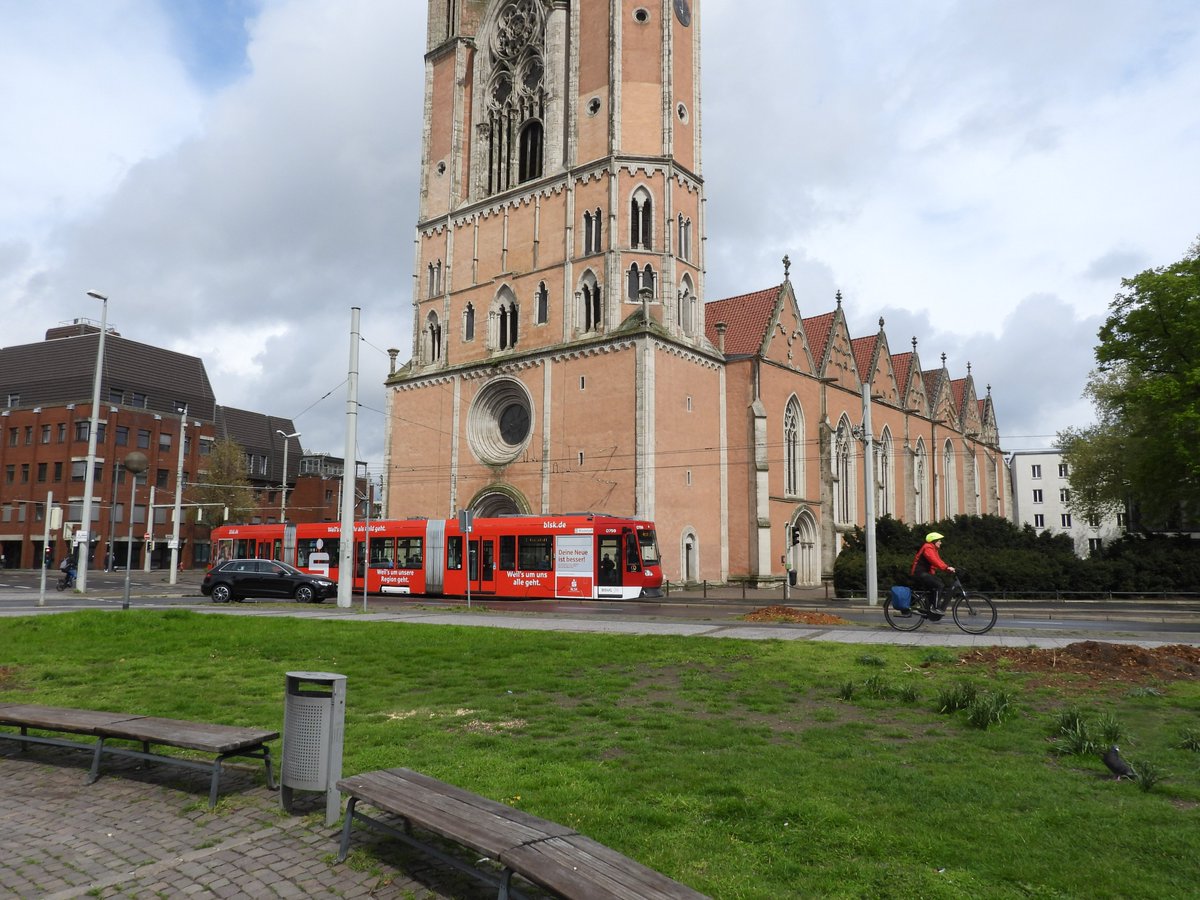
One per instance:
(788, 614)
(1097, 661)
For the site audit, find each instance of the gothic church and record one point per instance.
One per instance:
(565, 357)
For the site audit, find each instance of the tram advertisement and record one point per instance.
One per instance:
(574, 566)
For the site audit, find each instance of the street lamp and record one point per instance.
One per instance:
(89, 477)
(287, 440)
(135, 464)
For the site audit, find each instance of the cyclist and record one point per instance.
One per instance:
(67, 567)
(926, 563)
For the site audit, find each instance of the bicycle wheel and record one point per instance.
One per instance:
(974, 613)
(901, 622)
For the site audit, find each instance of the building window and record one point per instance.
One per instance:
(1035, 471)
(14, 437)
(122, 435)
(543, 304)
(14, 400)
(1121, 520)
(160, 477)
(684, 251)
(43, 471)
(1064, 495)
(164, 442)
(434, 278)
(432, 338)
(515, 96)
(1095, 545)
(469, 323)
(1066, 520)
(58, 471)
(116, 395)
(139, 400)
(28, 435)
(62, 432)
(24, 473)
(503, 323)
(591, 232)
(589, 299)
(143, 439)
(1062, 470)
(641, 220)
(79, 470)
(82, 430)
(10, 474)
(45, 434)
(1037, 495)
(791, 448)
(1094, 521)
(639, 279)
(1039, 521)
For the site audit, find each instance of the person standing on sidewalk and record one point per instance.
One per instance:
(926, 563)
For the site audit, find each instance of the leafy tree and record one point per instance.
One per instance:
(225, 484)
(1144, 451)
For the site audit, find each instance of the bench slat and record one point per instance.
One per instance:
(476, 822)
(54, 718)
(188, 735)
(578, 867)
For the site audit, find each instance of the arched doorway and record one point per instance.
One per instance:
(805, 549)
(493, 501)
(689, 557)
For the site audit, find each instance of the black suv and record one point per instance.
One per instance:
(236, 579)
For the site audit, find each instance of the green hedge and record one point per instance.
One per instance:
(996, 555)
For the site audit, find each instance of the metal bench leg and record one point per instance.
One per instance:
(95, 773)
(345, 845)
(271, 786)
(504, 885)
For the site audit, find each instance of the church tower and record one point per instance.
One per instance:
(559, 358)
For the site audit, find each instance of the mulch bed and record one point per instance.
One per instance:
(787, 614)
(1094, 659)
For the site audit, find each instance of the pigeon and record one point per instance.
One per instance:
(1117, 765)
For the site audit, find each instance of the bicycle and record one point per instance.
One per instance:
(972, 612)
(65, 580)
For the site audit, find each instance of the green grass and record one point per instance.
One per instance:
(739, 767)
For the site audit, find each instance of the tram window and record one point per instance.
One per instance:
(306, 547)
(631, 552)
(454, 553)
(382, 552)
(536, 553)
(408, 552)
(649, 548)
(508, 552)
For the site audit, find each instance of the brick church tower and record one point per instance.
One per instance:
(559, 356)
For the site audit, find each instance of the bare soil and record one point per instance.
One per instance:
(787, 614)
(1097, 661)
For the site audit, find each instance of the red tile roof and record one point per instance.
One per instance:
(959, 388)
(817, 330)
(901, 362)
(747, 316)
(864, 353)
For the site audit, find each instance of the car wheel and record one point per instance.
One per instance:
(221, 593)
(305, 594)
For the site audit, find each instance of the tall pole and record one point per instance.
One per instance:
(178, 511)
(287, 440)
(149, 531)
(89, 477)
(869, 484)
(135, 464)
(349, 470)
(49, 516)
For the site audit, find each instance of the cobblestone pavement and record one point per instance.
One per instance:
(145, 831)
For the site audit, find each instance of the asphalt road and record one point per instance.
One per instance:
(1158, 619)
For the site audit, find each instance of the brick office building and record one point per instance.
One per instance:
(564, 356)
(45, 420)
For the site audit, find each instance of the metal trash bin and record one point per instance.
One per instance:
(314, 721)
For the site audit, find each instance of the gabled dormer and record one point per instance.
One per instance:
(874, 362)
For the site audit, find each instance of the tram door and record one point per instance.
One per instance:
(482, 565)
(608, 552)
(264, 550)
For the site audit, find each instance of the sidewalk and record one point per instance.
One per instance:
(147, 832)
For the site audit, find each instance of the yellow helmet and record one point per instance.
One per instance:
(933, 536)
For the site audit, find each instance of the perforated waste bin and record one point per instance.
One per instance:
(314, 721)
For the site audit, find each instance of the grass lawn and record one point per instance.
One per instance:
(745, 769)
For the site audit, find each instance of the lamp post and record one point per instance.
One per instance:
(135, 464)
(287, 440)
(89, 477)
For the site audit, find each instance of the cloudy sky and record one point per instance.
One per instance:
(237, 174)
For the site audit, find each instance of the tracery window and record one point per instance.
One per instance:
(516, 96)
(792, 449)
(589, 299)
(433, 338)
(503, 321)
(641, 221)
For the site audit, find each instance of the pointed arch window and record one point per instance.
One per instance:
(503, 321)
(686, 309)
(793, 442)
(434, 278)
(469, 323)
(844, 499)
(884, 475)
(515, 96)
(590, 303)
(641, 221)
(432, 338)
(543, 304)
(921, 482)
(592, 232)
(640, 278)
(949, 480)
(684, 250)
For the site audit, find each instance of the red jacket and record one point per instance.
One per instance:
(928, 560)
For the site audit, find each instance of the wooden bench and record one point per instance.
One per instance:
(547, 854)
(225, 741)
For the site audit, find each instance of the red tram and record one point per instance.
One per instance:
(580, 555)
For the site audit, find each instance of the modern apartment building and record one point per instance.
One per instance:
(1041, 492)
